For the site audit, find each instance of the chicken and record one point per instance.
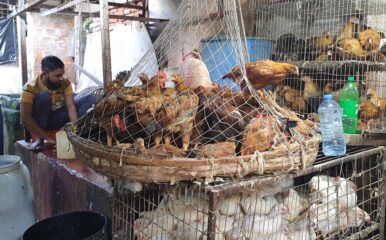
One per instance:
(146, 109)
(325, 217)
(217, 150)
(154, 84)
(158, 226)
(322, 186)
(263, 72)
(328, 88)
(187, 103)
(351, 49)
(311, 89)
(218, 119)
(376, 100)
(354, 217)
(369, 39)
(165, 115)
(299, 105)
(194, 71)
(254, 204)
(368, 110)
(259, 135)
(229, 206)
(321, 43)
(169, 151)
(348, 30)
(256, 225)
(313, 117)
(294, 205)
(346, 191)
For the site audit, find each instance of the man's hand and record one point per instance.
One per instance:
(51, 141)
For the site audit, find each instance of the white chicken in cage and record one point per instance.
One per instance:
(254, 204)
(347, 196)
(198, 229)
(255, 226)
(230, 206)
(326, 189)
(294, 205)
(325, 217)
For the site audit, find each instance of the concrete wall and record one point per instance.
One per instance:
(51, 38)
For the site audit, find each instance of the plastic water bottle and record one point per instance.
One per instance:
(348, 101)
(330, 115)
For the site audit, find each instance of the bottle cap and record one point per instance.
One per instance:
(351, 78)
(327, 97)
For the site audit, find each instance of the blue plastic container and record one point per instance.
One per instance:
(219, 57)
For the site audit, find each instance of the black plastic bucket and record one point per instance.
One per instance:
(73, 225)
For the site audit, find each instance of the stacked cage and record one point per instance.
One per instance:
(335, 199)
(329, 40)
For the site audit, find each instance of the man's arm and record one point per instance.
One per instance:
(72, 113)
(30, 123)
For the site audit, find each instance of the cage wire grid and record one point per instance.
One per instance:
(327, 39)
(348, 205)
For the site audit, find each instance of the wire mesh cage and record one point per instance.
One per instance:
(342, 199)
(328, 40)
(195, 115)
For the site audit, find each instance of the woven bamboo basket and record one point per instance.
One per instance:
(148, 166)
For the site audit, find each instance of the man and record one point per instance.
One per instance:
(47, 102)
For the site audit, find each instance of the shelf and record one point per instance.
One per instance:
(340, 66)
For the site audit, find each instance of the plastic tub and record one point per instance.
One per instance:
(219, 56)
(16, 197)
(73, 225)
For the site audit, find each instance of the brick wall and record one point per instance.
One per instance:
(48, 36)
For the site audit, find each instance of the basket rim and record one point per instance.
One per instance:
(99, 147)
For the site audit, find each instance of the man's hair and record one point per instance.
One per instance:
(50, 63)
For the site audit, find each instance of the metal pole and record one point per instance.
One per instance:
(22, 44)
(105, 42)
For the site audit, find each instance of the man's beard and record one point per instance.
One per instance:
(53, 85)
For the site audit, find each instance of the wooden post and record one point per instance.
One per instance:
(105, 43)
(78, 38)
(22, 44)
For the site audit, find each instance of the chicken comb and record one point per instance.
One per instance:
(161, 74)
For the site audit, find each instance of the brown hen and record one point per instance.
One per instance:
(377, 101)
(348, 30)
(263, 72)
(368, 110)
(369, 39)
(321, 43)
(259, 135)
(187, 103)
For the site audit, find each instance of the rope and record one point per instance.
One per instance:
(120, 157)
(261, 161)
(257, 159)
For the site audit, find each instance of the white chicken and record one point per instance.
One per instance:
(160, 227)
(229, 206)
(294, 204)
(347, 196)
(255, 226)
(354, 217)
(197, 229)
(323, 188)
(254, 204)
(194, 71)
(325, 217)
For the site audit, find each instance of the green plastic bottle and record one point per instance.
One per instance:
(348, 101)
